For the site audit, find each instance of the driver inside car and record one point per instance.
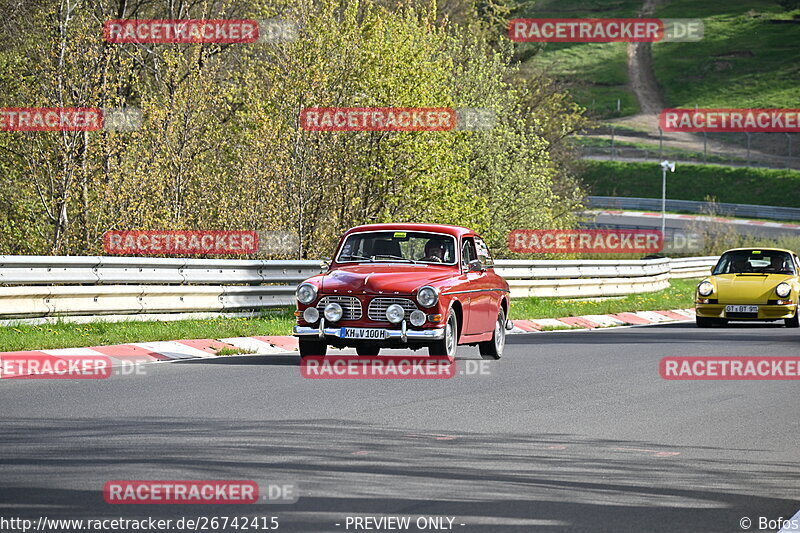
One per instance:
(778, 264)
(434, 251)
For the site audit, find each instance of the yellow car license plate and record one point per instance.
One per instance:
(741, 309)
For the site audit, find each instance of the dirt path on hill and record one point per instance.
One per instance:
(644, 85)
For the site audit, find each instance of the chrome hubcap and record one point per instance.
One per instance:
(449, 335)
(499, 335)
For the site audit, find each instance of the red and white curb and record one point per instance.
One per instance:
(141, 352)
(702, 218)
(639, 318)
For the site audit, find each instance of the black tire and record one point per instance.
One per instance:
(703, 322)
(793, 322)
(447, 346)
(368, 349)
(309, 347)
(493, 349)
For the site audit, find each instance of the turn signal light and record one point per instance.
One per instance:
(434, 318)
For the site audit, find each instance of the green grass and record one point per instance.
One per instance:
(679, 295)
(694, 182)
(66, 335)
(580, 8)
(744, 60)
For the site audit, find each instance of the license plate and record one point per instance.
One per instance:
(363, 333)
(741, 309)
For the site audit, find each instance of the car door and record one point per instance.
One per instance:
(480, 299)
(491, 283)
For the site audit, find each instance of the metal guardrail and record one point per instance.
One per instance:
(46, 286)
(735, 210)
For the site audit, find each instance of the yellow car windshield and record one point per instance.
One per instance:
(755, 262)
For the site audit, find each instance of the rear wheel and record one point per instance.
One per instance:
(368, 349)
(447, 346)
(493, 349)
(309, 347)
(793, 322)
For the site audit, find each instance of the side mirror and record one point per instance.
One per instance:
(712, 270)
(476, 266)
(325, 263)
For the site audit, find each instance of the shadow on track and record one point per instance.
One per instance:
(493, 482)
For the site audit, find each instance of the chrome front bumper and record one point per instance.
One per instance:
(403, 334)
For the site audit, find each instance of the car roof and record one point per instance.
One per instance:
(759, 248)
(456, 231)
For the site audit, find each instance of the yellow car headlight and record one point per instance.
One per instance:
(783, 289)
(705, 288)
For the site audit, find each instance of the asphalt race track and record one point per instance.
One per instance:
(570, 431)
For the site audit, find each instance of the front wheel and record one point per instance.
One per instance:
(704, 322)
(309, 347)
(493, 349)
(447, 346)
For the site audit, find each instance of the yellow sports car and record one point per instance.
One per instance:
(750, 284)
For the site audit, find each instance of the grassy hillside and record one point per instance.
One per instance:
(745, 60)
(597, 72)
(748, 58)
(694, 182)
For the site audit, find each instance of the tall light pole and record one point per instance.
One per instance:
(664, 166)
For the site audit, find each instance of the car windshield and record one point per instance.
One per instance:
(406, 246)
(755, 262)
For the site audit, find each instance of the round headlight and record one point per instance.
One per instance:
(783, 289)
(417, 318)
(311, 315)
(705, 288)
(333, 312)
(306, 293)
(395, 313)
(427, 296)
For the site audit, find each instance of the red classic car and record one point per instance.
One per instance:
(405, 286)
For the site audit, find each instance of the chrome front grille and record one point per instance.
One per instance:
(377, 307)
(351, 306)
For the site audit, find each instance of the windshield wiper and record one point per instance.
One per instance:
(356, 257)
(395, 257)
